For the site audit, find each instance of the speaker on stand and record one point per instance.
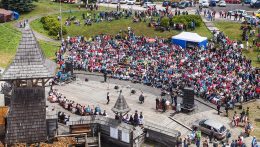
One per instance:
(188, 103)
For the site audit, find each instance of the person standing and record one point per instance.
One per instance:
(247, 111)
(108, 99)
(105, 76)
(175, 99)
(136, 118)
(218, 109)
(226, 108)
(157, 103)
(228, 136)
(211, 135)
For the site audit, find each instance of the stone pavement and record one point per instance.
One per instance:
(94, 93)
(210, 25)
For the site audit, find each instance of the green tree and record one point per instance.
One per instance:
(165, 22)
(20, 6)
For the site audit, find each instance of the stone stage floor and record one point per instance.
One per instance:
(94, 93)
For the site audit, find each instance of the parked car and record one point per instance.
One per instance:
(257, 13)
(107, 1)
(148, 4)
(238, 11)
(213, 3)
(114, 1)
(222, 4)
(204, 3)
(123, 1)
(100, 1)
(174, 4)
(138, 2)
(255, 4)
(205, 126)
(130, 2)
(249, 19)
(233, 1)
(247, 1)
(183, 5)
(143, 1)
(166, 3)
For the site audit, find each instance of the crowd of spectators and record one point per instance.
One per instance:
(135, 119)
(218, 74)
(74, 107)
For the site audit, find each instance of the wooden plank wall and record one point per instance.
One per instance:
(26, 121)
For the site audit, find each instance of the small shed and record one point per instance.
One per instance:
(5, 15)
(188, 39)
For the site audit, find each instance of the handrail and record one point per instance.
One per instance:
(101, 119)
(162, 129)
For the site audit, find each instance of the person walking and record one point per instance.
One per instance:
(108, 99)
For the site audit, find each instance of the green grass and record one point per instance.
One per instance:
(112, 28)
(47, 7)
(49, 48)
(10, 36)
(9, 41)
(232, 30)
(254, 111)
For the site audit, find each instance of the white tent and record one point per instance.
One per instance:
(184, 37)
(188, 36)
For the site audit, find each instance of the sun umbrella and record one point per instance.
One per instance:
(151, 40)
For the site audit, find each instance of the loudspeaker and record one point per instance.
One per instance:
(69, 67)
(188, 96)
(116, 87)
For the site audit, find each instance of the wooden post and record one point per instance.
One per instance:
(99, 141)
(86, 140)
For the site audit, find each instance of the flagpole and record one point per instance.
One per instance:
(60, 23)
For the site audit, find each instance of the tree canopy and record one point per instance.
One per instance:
(20, 6)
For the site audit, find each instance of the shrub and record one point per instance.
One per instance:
(187, 19)
(54, 30)
(52, 25)
(165, 22)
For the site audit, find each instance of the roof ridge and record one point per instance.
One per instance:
(29, 61)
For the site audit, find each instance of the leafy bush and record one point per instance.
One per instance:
(54, 30)
(165, 22)
(52, 25)
(187, 19)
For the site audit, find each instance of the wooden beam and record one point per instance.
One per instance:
(99, 141)
(42, 82)
(72, 135)
(47, 80)
(86, 140)
(36, 82)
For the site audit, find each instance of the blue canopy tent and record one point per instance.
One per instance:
(188, 39)
(16, 15)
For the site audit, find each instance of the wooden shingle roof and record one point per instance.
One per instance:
(29, 61)
(121, 106)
